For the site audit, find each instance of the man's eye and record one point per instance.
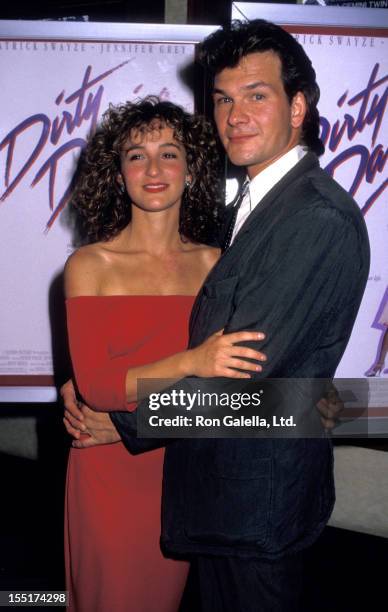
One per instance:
(258, 96)
(223, 100)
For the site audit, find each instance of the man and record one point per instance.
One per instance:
(296, 268)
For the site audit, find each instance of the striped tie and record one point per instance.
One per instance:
(236, 205)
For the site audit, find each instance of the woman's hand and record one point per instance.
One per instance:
(73, 417)
(89, 428)
(219, 356)
(99, 429)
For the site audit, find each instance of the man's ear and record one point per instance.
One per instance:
(298, 110)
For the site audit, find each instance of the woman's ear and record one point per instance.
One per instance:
(120, 183)
(188, 180)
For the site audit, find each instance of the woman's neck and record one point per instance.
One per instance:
(155, 233)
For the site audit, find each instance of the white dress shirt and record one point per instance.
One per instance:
(261, 184)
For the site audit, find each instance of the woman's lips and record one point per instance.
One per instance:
(155, 188)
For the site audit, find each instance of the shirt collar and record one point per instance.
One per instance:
(261, 184)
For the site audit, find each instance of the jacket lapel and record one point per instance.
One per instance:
(308, 162)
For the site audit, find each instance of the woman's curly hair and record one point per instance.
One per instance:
(104, 209)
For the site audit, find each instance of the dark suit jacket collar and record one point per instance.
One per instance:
(308, 162)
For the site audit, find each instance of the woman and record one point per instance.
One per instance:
(149, 198)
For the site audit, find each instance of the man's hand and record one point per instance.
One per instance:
(89, 428)
(330, 407)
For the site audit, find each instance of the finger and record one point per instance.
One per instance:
(330, 410)
(336, 408)
(219, 332)
(244, 336)
(242, 351)
(75, 433)
(323, 407)
(91, 440)
(328, 424)
(67, 389)
(75, 408)
(76, 423)
(230, 373)
(86, 442)
(241, 364)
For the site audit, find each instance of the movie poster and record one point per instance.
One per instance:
(53, 94)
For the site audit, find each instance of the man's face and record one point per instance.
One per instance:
(254, 118)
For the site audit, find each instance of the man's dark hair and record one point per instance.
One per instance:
(224, 48)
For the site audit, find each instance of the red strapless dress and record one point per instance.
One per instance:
(112, 514)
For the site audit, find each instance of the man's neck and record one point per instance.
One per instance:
(297, 149)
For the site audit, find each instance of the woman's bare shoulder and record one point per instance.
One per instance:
(83, 271)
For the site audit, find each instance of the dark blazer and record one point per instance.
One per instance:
(297, 271)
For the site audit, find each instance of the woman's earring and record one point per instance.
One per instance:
(187, 183)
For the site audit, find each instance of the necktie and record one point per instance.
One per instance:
(237, 203)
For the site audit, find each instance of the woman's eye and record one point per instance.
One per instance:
(135, 156)
(170, 155)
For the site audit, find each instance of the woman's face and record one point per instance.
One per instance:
(154, 169)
